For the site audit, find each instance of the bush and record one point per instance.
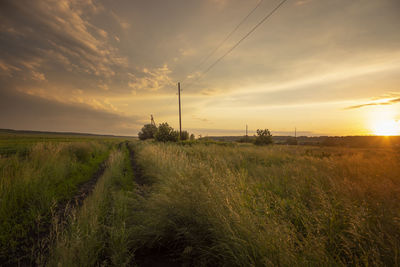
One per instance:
(184, 136)
(148, 131)
(166, 133)
(264, 137)
(192, 138)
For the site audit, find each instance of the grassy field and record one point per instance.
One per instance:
(278, 205)
(200, 204)
(98, 233)
(36, 180)
(13, 142)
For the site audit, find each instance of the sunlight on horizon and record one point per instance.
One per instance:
(384, 123)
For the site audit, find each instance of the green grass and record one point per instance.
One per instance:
(31, 187)
(277, 205)
(98, 233)
(203, 204)
(19, 142)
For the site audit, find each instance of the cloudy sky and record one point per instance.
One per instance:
(326, 67)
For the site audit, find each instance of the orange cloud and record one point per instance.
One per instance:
(8, 69)
(37, 76)
(379, 102)
(151, 80)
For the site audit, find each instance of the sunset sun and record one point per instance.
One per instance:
(384, 122)
(388, 127)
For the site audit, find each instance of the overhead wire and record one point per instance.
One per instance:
(238, 43)
(226, 38)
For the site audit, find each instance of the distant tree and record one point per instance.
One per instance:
(166, 133)
(264, 137)
(192, 137)
(148, 131)
(184, 136)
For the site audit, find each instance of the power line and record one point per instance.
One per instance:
(227, 37)
(240, 41)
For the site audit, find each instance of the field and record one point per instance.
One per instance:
(89, 201)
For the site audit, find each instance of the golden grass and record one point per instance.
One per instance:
(273, 205)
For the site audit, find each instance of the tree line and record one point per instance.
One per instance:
(165, 133)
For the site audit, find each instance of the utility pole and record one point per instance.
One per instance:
(246, 131)
(180, 120)
(295, 132)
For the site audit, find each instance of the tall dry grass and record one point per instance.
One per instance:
(278, 205)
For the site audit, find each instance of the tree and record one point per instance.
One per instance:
(166, 133)
(148, 131)
(192, 137)
(264, 137)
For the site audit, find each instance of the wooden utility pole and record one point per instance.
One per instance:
(246, 130)
(180, 120)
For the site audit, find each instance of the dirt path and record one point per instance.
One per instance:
(60, 216)
(64, 208)
(138, 174)
(145, 257)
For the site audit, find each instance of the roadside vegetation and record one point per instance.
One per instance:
(291, 206)
(34, 184)
(98, 233)
(163, 133)
(199, 203)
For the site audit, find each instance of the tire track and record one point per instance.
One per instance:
(149, 257)
(61, 213)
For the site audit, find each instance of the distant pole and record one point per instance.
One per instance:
(295, 132)
(180, 120)
(246, 131)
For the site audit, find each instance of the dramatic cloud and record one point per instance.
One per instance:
(377, 103)
(151, 80)
(61, 28)
(121, 61)
(20, 111)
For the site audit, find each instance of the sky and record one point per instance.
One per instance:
(324, 67)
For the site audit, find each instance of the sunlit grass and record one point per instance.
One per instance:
(251, 206)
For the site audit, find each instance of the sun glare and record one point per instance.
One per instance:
(390, 127)
(383, 122)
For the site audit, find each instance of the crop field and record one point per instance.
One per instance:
(91, 201)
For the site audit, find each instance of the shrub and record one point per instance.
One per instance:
(192, 138)
(148, 131)
(184, 136)
(166, 133)
(264, 137)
